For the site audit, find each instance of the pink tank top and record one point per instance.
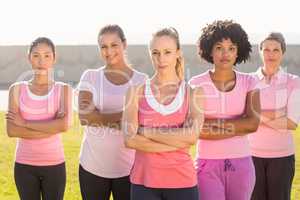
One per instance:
(168, 169)
(46, 151)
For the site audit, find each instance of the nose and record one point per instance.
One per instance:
(161, 58)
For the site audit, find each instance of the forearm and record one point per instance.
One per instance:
(25, 133)
(177, 137)
(95, 118)
(282, 123)
(141, 143)
(238, 127)
(52, 126)
(215, 133)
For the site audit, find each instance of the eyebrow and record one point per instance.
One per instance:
(47, 52)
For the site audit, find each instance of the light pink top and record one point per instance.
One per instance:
(224, 105)
(103, 152)
(168, 169)
(282, 92)
(46, 151)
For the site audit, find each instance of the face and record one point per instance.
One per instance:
(224, 54)
(42, 57)
(271, 53)
(164, 53)
(112, 49)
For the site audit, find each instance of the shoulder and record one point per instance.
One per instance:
(247, 78)
(65, 86)
(17, 85)
(294, 80)
(198, 79)
(140, 76)
(91, 72)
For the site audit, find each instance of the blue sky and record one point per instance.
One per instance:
(77, 22)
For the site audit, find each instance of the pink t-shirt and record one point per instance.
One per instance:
(167, 169)
(224, 105)
(46, 151)
(282, 92)
(103, 152)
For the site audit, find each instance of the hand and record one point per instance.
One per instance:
(15, 118)
(60, 114)
(141, 130)
(116, 125)
(188, 122)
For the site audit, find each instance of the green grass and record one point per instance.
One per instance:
(72, 140)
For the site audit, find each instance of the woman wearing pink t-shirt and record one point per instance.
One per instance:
(39, 110)
(231, 108)
(272, 145)
(105, 162)
(162, 119)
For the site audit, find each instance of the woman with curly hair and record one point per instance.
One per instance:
(231, 108)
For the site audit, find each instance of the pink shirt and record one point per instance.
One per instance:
(46, 151)
(168, 169)
(103, 152)
(224, 105)
(282, 92)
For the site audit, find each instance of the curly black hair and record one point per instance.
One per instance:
(219, 30)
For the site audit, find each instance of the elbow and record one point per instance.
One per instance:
(193, 140)
(10, 134)
(128, 143)
(9, 130)
(253, 124)
(83, 120)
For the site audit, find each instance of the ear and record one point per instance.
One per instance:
(55, 59)
(124, 44)
(179, 53)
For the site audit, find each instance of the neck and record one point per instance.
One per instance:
(222, 75)
(167, 77)
(42, 79)
(269, 71)
(123, 66)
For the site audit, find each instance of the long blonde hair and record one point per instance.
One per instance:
(172, 33)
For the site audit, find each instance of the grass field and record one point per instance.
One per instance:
(72, 141)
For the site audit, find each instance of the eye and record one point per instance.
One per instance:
(103, 47)
(154, 53)
(114, 45)
(218, 47)
(232, 48)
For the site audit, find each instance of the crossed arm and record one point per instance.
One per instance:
(16, 126)
(91, 116)
(187, 135)
(130, 125)
(215, 129)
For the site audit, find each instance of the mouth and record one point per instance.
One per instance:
(225, 61)
(162, 66)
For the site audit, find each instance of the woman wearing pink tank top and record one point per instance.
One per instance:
(231, 109)
(162, 119)
(39, 110)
